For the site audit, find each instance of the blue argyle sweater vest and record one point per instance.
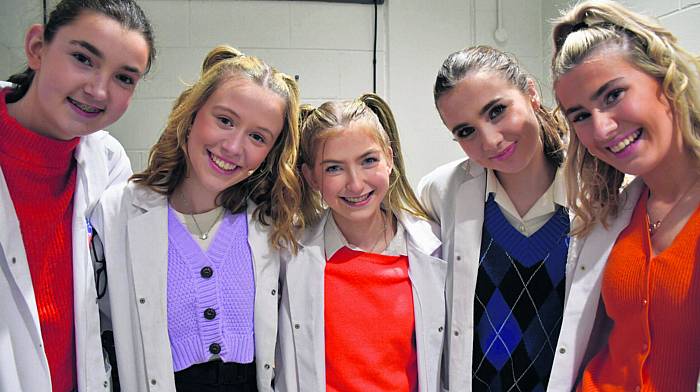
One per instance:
(519, 302)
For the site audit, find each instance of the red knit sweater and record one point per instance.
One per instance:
(655, 303)
(40, 174)
(369, 323)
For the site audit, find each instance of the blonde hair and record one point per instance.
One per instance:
(274, 186)
(331, 119)
(482, 58)
(593, 185)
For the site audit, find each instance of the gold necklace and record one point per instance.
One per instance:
(203, 235)
(654, 226)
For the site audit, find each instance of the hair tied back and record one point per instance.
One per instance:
(219, 54)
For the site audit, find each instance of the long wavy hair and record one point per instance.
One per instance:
(482, 58)
(274, 186)
(594, 187)
(331, 119)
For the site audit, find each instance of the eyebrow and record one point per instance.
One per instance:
(234, 114)
(594, 96)
(483, 110)
(370, 152)
(98, 53)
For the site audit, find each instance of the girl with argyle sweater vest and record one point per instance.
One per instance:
(504, 222)
(363, 301)
(82, 69)
(631, 95)
(192, 243)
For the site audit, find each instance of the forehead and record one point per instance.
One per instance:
(354, 139)
(579, 84)
(470, 94)
(117, 44)
(247, 98)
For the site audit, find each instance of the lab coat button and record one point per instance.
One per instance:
(562, 350)
(440, 329)
(273, 292)
(206, 272)
(267, 366)
(209, 313)
(297, 326)
(214, 348)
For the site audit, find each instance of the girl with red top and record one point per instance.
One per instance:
(362, 301)
(630, 93)
(83, 66)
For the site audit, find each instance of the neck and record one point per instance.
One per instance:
(527, 186)
(187, 200)
(26, 113)
(370, 234)
(669, 181)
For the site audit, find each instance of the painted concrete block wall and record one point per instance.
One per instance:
(329, 45)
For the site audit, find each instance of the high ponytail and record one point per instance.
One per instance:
(400, 195)
(332, 118)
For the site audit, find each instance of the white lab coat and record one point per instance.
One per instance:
(454, 194)
(132, 222)
(301, 343)
(23, 365)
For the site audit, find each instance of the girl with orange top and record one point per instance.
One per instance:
(363, 300)
(630, 93)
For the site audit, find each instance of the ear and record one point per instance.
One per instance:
(34, 46)
(309, 177)
(533, 95)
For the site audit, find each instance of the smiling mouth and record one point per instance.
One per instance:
(622, 144)
(357, 200)
(85, 107)
(221, 164)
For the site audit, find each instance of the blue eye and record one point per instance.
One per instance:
(370, 161)
(332, 169)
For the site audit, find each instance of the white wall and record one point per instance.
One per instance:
(329, 45)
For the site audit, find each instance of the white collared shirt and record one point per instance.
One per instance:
(334, 240)
(543, 209)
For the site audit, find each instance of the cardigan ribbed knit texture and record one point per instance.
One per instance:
(655, 304)
(519, 302)
(229, 292)
(40, 173)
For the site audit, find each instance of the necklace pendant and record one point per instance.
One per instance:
(203, 236)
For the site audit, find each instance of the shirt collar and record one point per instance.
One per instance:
(554, 196)
(334, 240)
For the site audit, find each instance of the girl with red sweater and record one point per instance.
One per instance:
(83, 66)
(630, 93)
(363, 300)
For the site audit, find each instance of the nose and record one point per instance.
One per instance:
(96, 87)
(355, 183)
(491, 139)
(234, 142)
(603, 126)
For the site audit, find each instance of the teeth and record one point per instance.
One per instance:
(625, 142)
(356, 199)
(85, 107)
(222, 164)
